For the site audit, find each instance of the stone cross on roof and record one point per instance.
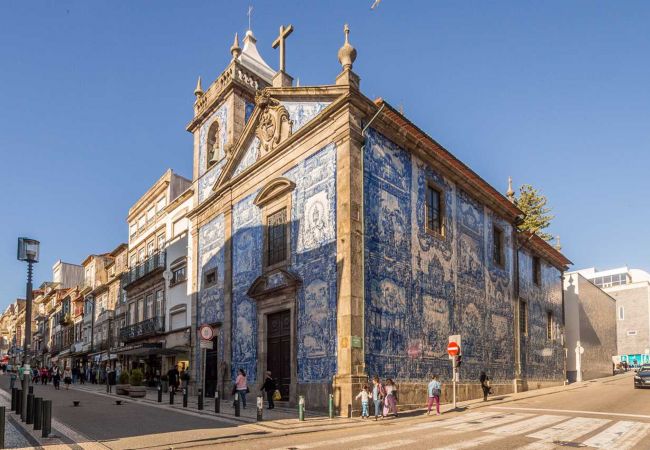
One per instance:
(279, 41)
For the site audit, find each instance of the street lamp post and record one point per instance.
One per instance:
(28, 250)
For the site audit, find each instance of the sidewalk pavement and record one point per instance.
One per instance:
(15, 437)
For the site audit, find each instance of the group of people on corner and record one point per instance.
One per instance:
(384, 396)
(240, 389)
(54, 374)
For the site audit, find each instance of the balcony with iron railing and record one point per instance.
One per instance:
(148, 327)
(154, 263)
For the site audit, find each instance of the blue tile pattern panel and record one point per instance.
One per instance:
(247, 266)
(211, 242)
(422, 286)
(207, 177)
(541, 358)
(302, 112)
(250, 156)
(313, 259)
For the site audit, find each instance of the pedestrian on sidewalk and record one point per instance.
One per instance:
(44, 375)
(485, 385)
(378, 394)
(241, 387)
(269, 387)
(433, 389)
(364, 395)
(67, 377)
(56, 377)
(390, 401)
(173, 375)
(12, 378)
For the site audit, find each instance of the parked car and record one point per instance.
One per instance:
(642, 378)
(643, 367)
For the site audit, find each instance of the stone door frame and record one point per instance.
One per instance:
(266, 307)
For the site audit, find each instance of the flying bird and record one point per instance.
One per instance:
(375, 4)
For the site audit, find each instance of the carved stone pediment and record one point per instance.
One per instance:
(272, 283)
(274, 125)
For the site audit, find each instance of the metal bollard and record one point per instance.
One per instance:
(19, 401)
(330, 406)
(217, 402)
(38, 413)
(260, 407)
(237, 410)
(301, 408)
(29, 418)
(47, 418)
(2, 427)
(171, 396)
(200, 406)
(184, 397)
(31, 390)
(159, 393)
(13, 399)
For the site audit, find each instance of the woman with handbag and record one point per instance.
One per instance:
(241, 387)
(269, 387)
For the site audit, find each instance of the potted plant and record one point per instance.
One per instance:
(137, 389)
(164, 382)
(122, 388)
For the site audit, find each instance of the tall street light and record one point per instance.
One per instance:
(27, 251)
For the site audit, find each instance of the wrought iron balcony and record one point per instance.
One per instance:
(148, 327)
(152, 264)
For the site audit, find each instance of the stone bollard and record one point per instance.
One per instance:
(217, 402)
(29, 418)
(301, 408)
(47, 418)
(330, 406)
(184, 397)
(260, 407)
(159, 393)
(171, 396)
(200, 400)
(237, 409)
(38, 413)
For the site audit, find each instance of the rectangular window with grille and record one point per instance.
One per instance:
(497, 247)
(537, 270)
(523, 317)
(549, 325)
(434, 210)
(276, 237)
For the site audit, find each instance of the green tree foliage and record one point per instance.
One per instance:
(535, 207)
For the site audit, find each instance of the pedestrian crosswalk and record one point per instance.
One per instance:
(523, 430)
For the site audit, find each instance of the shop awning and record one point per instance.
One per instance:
(144, 349)
(174, 350)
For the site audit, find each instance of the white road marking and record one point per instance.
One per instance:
(565, 431)
(609, 414)
(481, 440)
(455, 420)
(622, 436)
(526, 426)
(391, 444)
(475, 425)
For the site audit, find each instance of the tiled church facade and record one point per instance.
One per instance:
(369, 290)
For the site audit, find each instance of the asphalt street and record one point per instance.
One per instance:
(606, 415)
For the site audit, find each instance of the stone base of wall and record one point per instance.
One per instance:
(316, 395)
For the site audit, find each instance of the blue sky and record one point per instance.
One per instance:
(95, 96)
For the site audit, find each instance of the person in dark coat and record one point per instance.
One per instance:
(269, 387)
(173, 376)
(485, 385)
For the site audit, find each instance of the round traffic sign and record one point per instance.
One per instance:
(453, 349)
(206, 332)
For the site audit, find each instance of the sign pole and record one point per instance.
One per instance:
(453, 362)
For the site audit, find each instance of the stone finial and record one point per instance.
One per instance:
(347, 53)
(235, 50)
(198, 91)
(510, 193)
(558, 245)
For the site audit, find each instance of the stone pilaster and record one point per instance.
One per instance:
(225, 366)
(349, 248)
(282, 79)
